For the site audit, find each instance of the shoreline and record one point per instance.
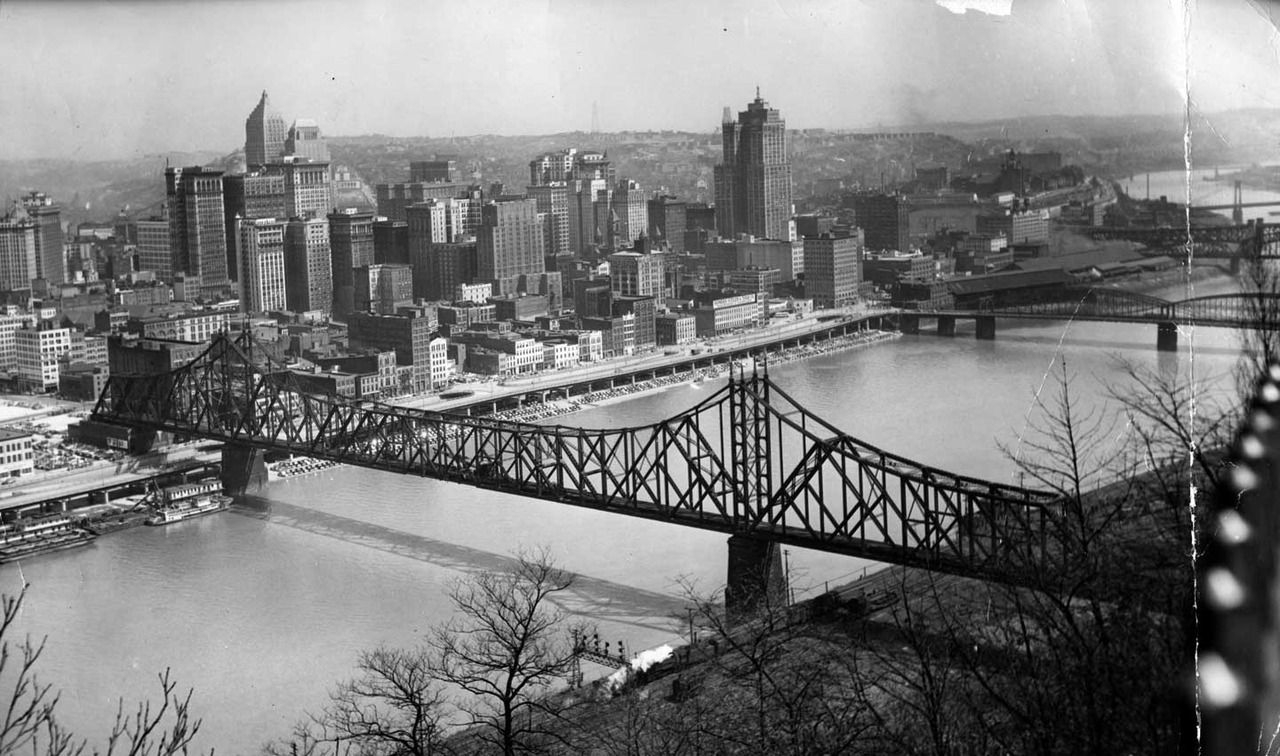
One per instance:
(536, 412)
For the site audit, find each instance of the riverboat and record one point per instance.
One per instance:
(42, 535)
(190, 500)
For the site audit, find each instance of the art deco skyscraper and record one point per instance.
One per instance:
(753, 183)
(264, 135)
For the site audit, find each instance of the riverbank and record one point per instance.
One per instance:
(540, 411)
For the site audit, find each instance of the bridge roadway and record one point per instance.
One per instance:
(1241, 311)
(719, 352)
(748, 461)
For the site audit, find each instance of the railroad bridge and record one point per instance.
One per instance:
(1091, 303)
(748, 461)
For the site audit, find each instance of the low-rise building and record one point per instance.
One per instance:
(38, 350)
(16, 455)
(558, 354)
(675, 328)
(717, 314)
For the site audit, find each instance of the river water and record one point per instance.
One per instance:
(1175, 184)
(261, 609)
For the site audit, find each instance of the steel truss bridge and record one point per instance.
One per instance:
(1092, 303)
(1249, 240)
(748, 461)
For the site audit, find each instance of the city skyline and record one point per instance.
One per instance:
(89, 73)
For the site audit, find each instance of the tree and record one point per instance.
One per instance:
(30, 723)
(394, 706)
(508, 643)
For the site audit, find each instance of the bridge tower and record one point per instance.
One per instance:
(756, 580)
(1237, 206)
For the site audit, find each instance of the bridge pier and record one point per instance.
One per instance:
(946, 325)
(1167, 337)
(756, 580)
(909, 323)
(986, 327)
(244, 470)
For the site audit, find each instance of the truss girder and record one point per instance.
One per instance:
(748, 459)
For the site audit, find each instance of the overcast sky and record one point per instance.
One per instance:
(114, 79)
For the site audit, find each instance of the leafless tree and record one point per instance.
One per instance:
(30, 723)
(394, 706)
(507, 645)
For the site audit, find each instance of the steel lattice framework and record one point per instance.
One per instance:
(1218, 242)
(746, 460)
(1226, 310)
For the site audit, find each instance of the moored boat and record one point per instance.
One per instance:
(190, 500)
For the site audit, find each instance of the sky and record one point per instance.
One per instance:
(103, 80)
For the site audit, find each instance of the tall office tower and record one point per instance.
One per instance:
(393, 199)
(885, 219)
(632, 210)
(583, 230)
(551, 167)
(382, 289)
(197, 226)
(464, 215)
(51, 263)
(153, 247)
(570, 164)
(351, 243)
(433, 171)
(428, 226)
(448, 265)
(250, 195)
(832, 269)
(508, 243)
(553, 200)
(261, 243)
(308, 265)
(304, 140)
(264, 135)
(17, 250)
(390, 241)
(637, 274)
(753, 184)
(667, 221)
(307, 191)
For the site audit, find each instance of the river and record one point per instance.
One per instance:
(1204, 191)
(261, 609)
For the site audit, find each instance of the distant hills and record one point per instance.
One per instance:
(682, 162)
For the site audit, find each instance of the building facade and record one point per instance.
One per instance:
(308, 265)
(833, 269)
(753, 183)
(51, 262)
(509, 243)
(262, 284)
(351, 245)
(197, 227)
(264, 135)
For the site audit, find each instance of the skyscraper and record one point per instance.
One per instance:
(261, 243)
(509, 243)
(553, 200)
(308, 261)
(307, 190)
(631, 210)
(351, 244)
(304, 140)
(197, 226)
(250, 195)
(753, 183)
(264, 135)
(51, 263)
(17, 250)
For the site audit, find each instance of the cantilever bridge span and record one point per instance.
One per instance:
(748, 461)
